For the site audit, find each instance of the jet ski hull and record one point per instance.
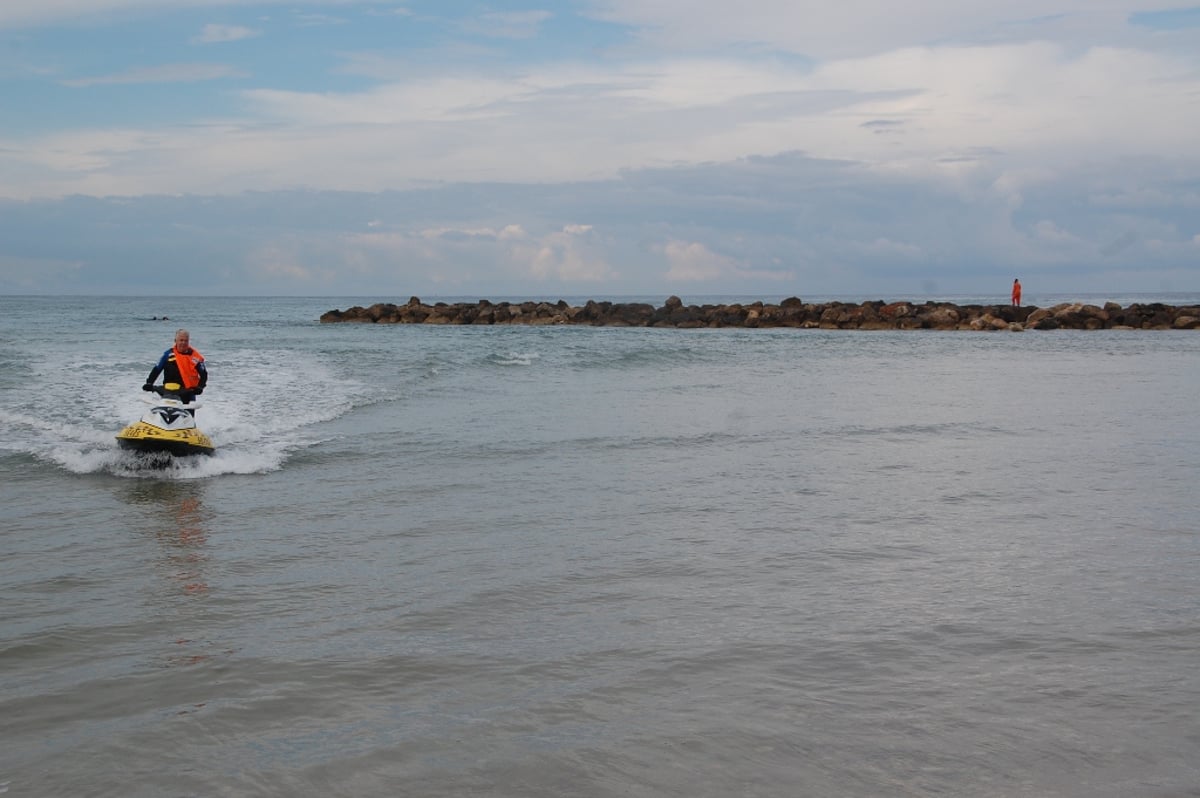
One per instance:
(169, 426)
(143, 437)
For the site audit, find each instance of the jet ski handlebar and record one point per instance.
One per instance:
(183, 397)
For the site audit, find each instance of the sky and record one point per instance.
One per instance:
(598, 147)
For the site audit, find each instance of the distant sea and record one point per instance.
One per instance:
(1029, 298)
(569, 561)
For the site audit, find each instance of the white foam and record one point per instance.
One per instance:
(260, 407)
(515, 359)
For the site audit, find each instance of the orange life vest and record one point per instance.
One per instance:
(187, 367)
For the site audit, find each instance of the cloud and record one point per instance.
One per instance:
(884, 127)
(1050, 233)
(450, 255)
(788, 224)
(308, 20)
(887, 248)
(825, 31)
(214, 34)
(1148, 197)
(23, 13)
(692, 261)
(681, 141)
(507, 25)
(275, 260)
(1119, 244)
(568, 255)
(167, 73)
(390, 12)
(33, 274)
(1033, 107)
(696, 262)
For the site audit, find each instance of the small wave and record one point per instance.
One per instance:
(642, 357)
(910, 430)
(513, 359)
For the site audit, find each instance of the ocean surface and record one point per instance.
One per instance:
(566, 561)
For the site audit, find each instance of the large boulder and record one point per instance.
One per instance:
(941, 318)
(1186, 323)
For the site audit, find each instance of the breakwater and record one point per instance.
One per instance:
(791, 312)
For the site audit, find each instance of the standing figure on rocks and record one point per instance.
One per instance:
(1016, 294)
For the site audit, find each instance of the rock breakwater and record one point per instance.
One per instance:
(792, 312)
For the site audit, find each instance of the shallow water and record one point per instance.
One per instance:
(598, 562)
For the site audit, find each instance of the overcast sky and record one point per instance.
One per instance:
(599, 147)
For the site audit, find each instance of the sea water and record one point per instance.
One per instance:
(568, 561)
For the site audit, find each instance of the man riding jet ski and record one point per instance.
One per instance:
(181, 365)
(170, 423)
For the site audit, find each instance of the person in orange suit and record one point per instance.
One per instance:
(1016, 294)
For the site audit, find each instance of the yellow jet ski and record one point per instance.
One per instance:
(169, 425)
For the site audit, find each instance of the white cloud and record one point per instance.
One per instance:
(887, 248)
(1147, 197)
(274, 261)
(568, 255)
(507, 24)
(950, 132)
(15, 13)
(166, 73)
(857, 27)
(818, 29)
(1031, 108)
(1050, 233)
(433, 233)
(693, 261)
(214, 34)
(451, 255)
(317, 20)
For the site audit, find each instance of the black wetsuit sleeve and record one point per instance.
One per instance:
(158, 368)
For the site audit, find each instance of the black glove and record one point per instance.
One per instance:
(197, 391)
(148, 386)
